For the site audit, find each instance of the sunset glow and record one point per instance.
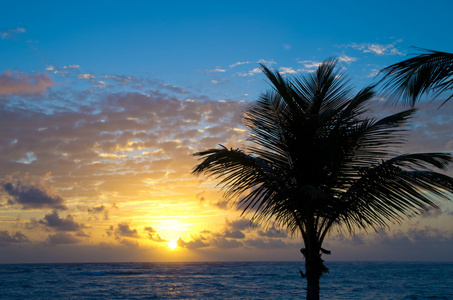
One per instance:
(172, 244)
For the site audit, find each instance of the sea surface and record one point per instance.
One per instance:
(227, 280)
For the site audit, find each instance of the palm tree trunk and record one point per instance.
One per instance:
(313, 269)
(314, 266)
(312, 288)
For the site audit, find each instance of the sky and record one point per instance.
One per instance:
(103, 104)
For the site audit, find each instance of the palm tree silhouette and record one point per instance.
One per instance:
(410, 79)
(316, 162)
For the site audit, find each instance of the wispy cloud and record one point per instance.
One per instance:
(217, 70)
(252, 72)
(11, 33)
(346, 59)
(266, 62)
(310, 64)
(86, 76)
(239, 63)
(17, 83)
(287, 70)
(378, 49)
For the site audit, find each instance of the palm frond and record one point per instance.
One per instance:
(428, 72)
(395, 188)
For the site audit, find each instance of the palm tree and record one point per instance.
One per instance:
(413, 77)
(315, 162)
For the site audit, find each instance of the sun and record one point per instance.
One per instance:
(172, 244)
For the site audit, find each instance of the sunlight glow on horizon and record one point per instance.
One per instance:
(172, 245)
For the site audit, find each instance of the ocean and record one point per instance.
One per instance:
(224, 280)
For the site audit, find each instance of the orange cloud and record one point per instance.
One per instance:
(17, 83)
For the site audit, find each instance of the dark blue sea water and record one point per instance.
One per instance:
(230, 280)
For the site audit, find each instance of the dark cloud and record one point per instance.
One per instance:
(222, 204)
(7, 239)
(424, 243)
(98, 210)
(267, 243)
(123, 230)
(240, 224)
(236, 234)
(54, 221)
(357, 239)
(129, 242)
(82, 234)
(227, 243)
(153, 235)
(150, 230)
(195, 243)
(34, 224)
(61, 238)
(32, 196)
(272, 232)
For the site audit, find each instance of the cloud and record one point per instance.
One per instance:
(378, 49)
(267, 244)
(431, 212)
(11, 33)
(231, 236)
(61, 238)
(287, 70)
(226, 243)
(31, 196)
(261, 61)
(239, 224)
(85, 76)
(129, 243)
(310, 64)
(250, 73)
(99, 209)
(222, 204)
(266, 62)
(16, 83)
(393, 244)
(346, 59)
(217, 70)
(236, 234)
(123, 230)
(153, 235)
(54, 221)
(239, 63)
(272, 232)
(17, 238)
(195, 243)
(124, 234)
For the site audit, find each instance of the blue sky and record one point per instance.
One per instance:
(103, 103)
